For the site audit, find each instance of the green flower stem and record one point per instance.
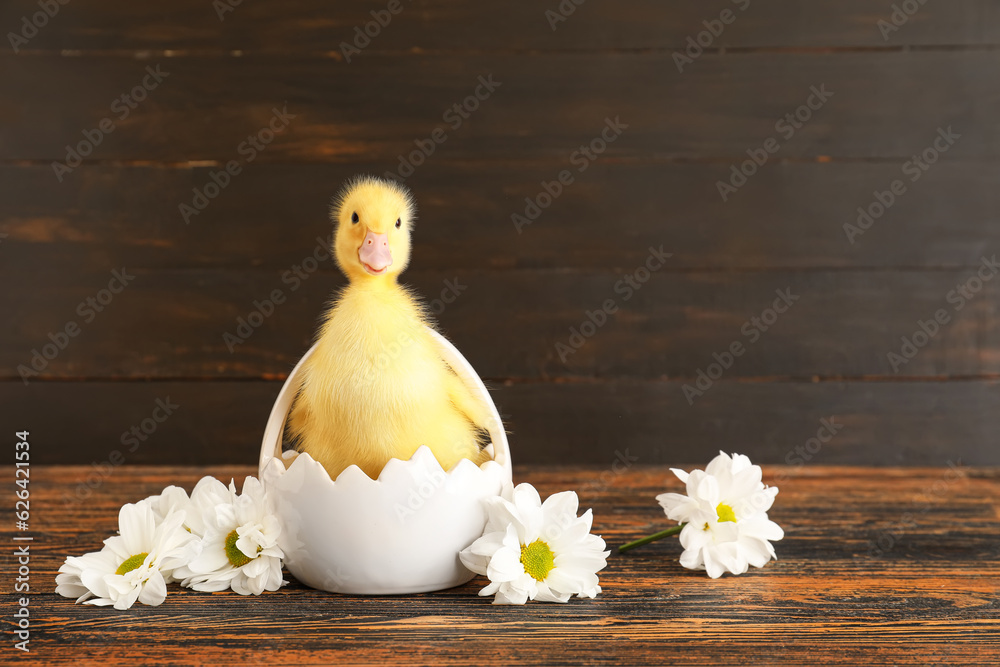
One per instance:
(652, 538)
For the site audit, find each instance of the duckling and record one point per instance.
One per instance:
(376, 386)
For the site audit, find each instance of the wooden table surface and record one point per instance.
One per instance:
(878, 566)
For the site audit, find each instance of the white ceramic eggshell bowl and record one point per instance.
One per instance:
(398, 534)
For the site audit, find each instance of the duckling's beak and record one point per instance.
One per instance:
(374, 253)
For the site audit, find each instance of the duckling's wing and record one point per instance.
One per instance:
(471, 406)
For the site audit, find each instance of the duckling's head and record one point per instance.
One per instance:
(374, 218)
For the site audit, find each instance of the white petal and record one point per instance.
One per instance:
(474, 562)
(256, 567)
(579, 562)
(504, 514)
(488, 544)
(100, 602)
(207, 585)
(570, 536)
(731, 555)
(680, 474)
(94, 580)
(706, 489)
(526, 496)
(668, 501)
(757, 552)
(694, 537)
(724, 531)
(505, 565)
(123, 594)
(154, 591)
(761, 527)
(477, 556)
(547, 594)
(248, 544)
(137, 526)
(562, 583)
(73, 590)
(746, 483)
(560, 505)
(713, 566)
(528, 512)
(490, 589)
(692, 559)
(209, 487)
(510, 596)
(677, 507)
(741, 463)
(720, 465)
(212, 557)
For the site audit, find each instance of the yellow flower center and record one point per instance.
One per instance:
(233, 553)
(725, 513)
(537, 559)
(131, 563)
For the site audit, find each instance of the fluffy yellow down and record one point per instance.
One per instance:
(376, 388)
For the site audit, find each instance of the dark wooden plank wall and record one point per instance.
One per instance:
(655, 185)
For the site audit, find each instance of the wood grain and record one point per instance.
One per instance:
(206, 107)
(270, 215)
(174, 323)
(312, 26)
(655, 185)
(830, 598)
(918, 423)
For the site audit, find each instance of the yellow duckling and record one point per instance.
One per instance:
(376, 387)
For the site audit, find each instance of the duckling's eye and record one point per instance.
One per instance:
(354, 218)
(399, 223)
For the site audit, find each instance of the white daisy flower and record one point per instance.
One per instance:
(207, 494)
(238, 539)
(131, 565)
(726, 528)
(68, 582)
(537, 551)
(172, 499)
